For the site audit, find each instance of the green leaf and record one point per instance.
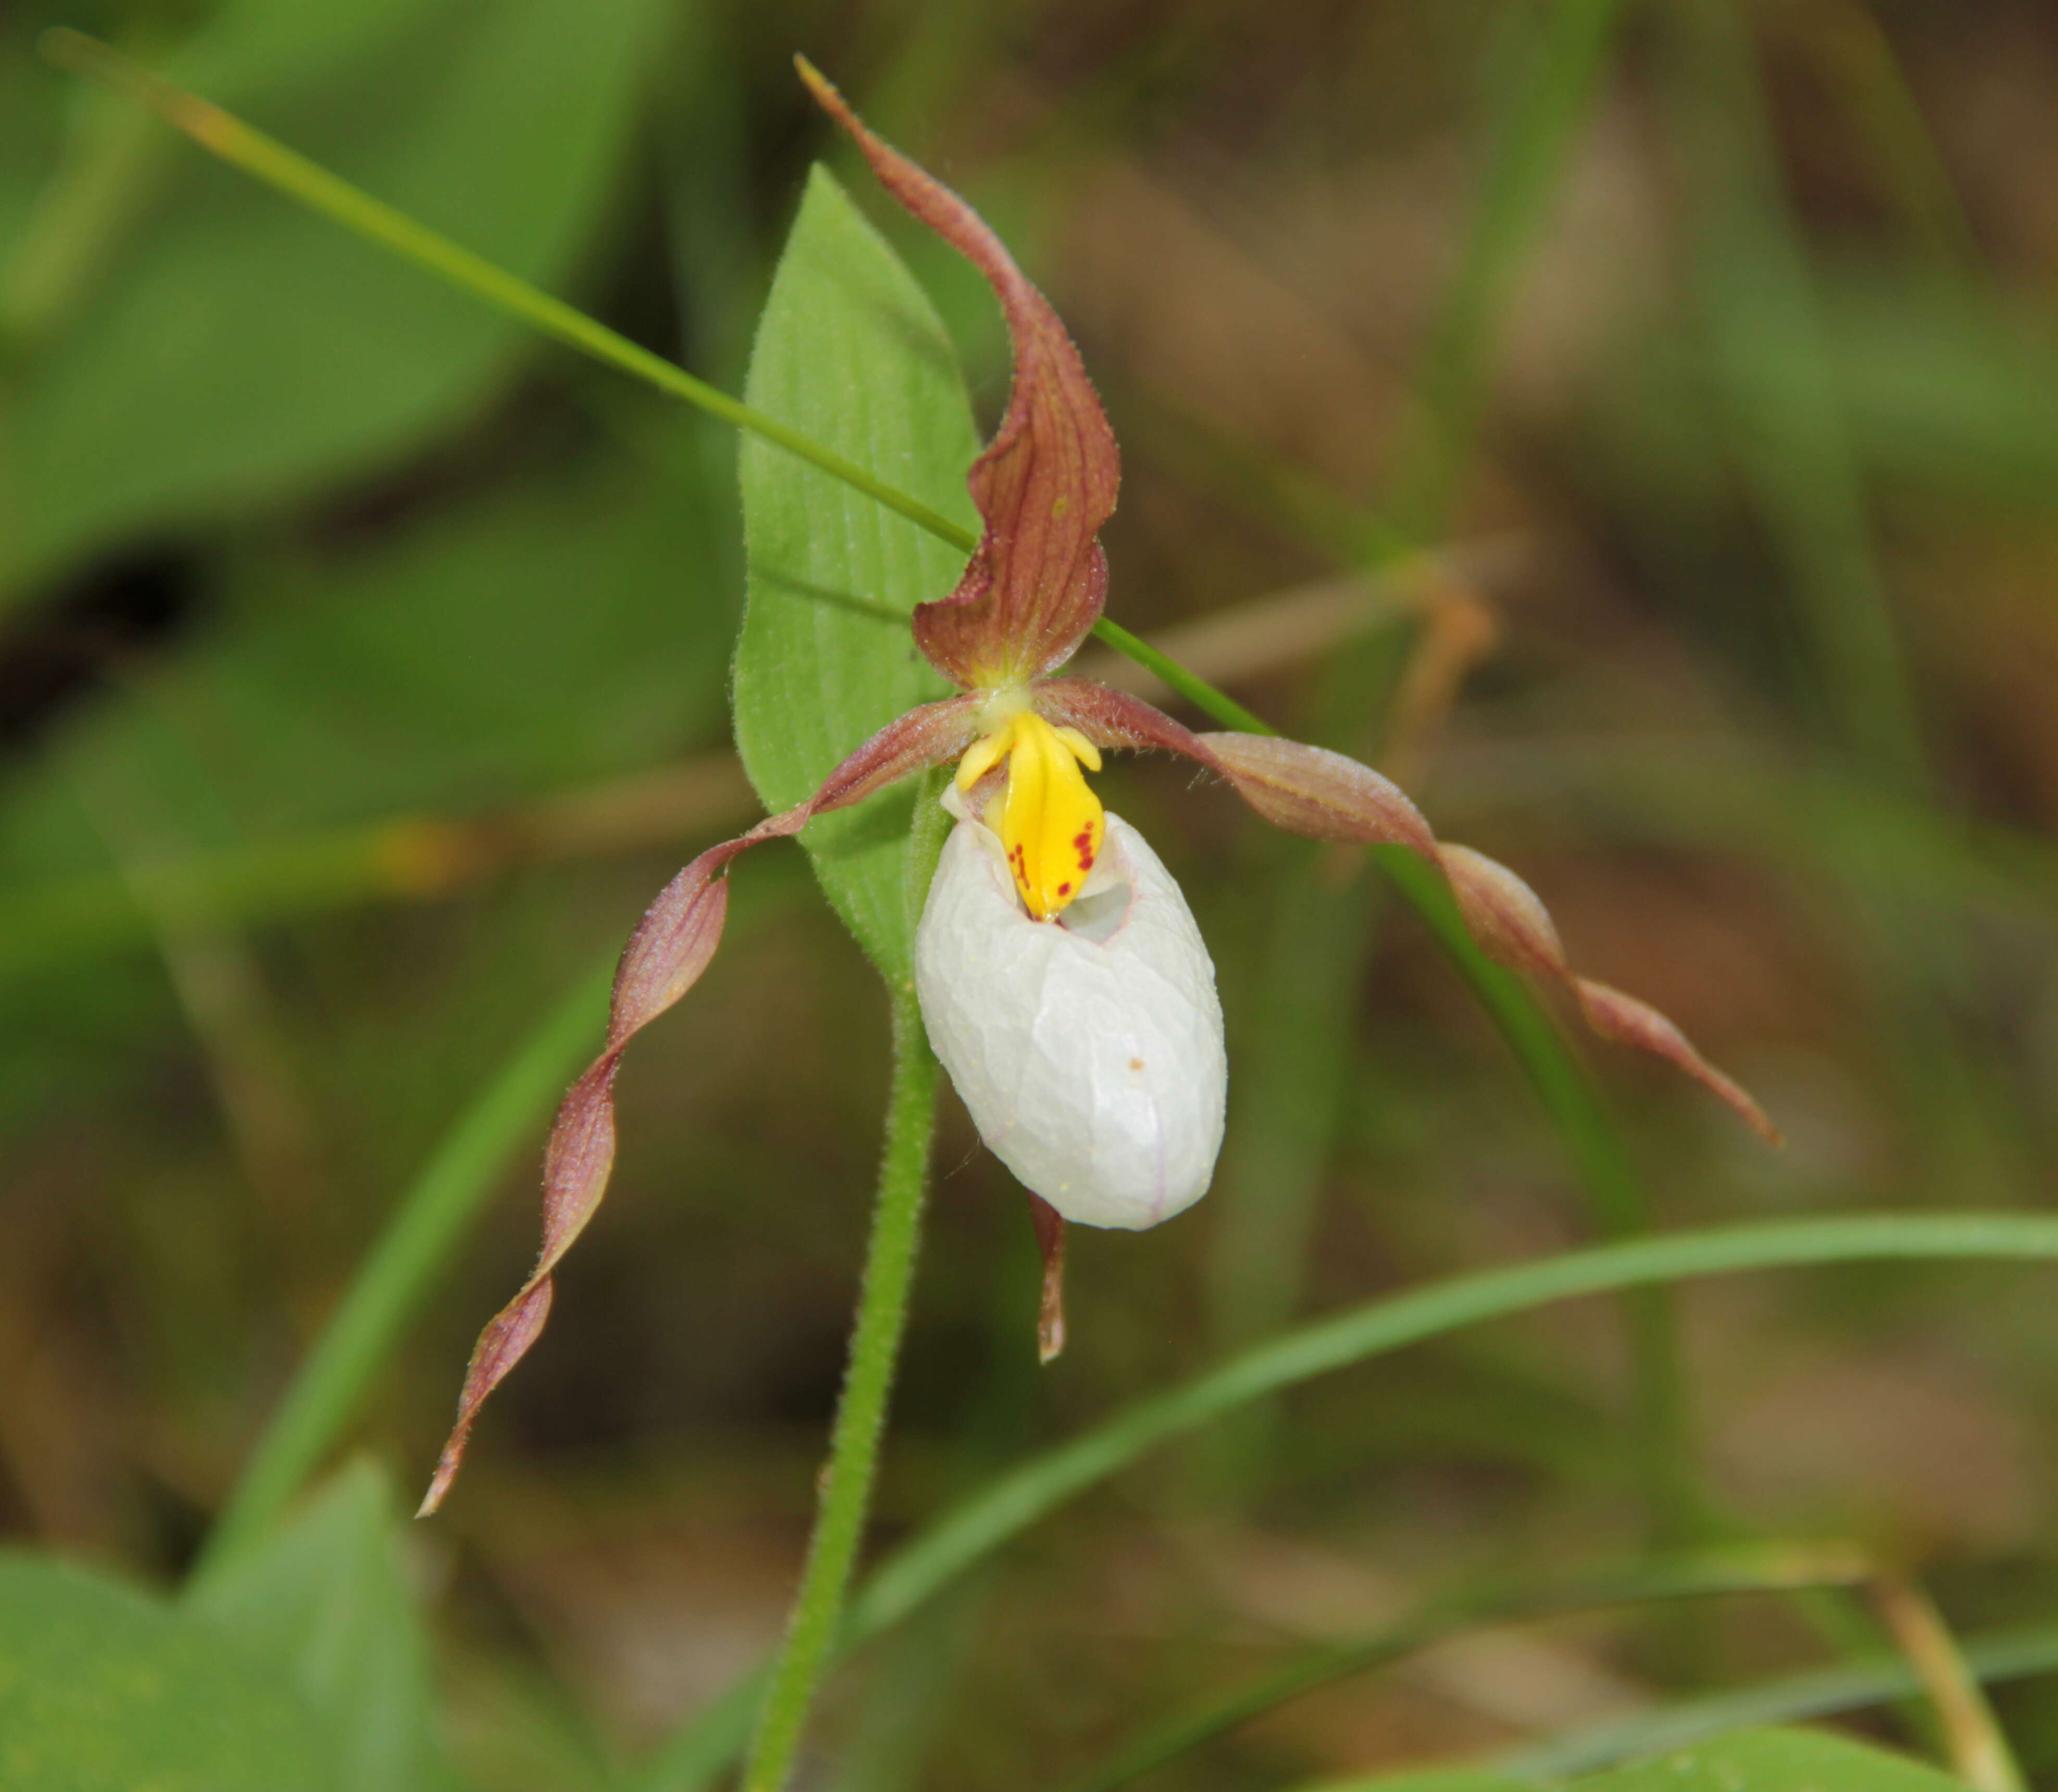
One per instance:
(1775, 1761)
(240, 353)
(850, 351)
(323, 1599)
(105, 1690)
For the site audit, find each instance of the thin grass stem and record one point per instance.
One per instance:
(266, 159)
(1009, 1505)
(2011, 1654)
(1539, 123)
(1972, 1734)
(1757, 1569)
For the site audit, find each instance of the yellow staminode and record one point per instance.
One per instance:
(1051, 823)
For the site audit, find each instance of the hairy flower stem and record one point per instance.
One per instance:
(816, 1622)
(860, 1420)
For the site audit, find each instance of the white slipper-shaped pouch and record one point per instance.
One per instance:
(1087, 1049)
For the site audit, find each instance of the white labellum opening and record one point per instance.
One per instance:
(1089, 1048)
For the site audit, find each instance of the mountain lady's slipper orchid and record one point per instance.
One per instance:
(1061, 977)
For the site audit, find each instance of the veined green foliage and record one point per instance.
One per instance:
(850, 351)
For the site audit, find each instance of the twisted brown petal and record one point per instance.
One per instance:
(1510, 922)
(1047, 481)
(1309, 790)
(663, 959)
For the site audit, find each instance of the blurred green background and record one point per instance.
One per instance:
(1635, 425)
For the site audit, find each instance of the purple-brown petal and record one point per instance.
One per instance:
(1309, 790)
(1510, 923)
(1111, 718)
(1305, 789)
(664, 958)
(1047, 481)
(1324, 795)
(1050, 1304)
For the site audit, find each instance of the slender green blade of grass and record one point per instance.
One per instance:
(1009, 1505)
(1770, 364)
(1593, 1143)
(1018, 1499)
(1198, 692)
(270, 161)
(1564, 71)
(1765, 1568)
(2011, 1654)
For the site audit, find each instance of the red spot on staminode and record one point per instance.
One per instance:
(1064, 889)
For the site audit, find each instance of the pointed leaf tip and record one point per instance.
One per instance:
(1046, 482)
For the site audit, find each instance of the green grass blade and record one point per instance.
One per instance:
(1615, 1189)
(1016, 1501)
(1768, 353)
(2012, 1654)
(1760, 1568)
(1010, 1504)
(267, 159)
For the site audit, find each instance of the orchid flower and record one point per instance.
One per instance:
(1061, 977)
